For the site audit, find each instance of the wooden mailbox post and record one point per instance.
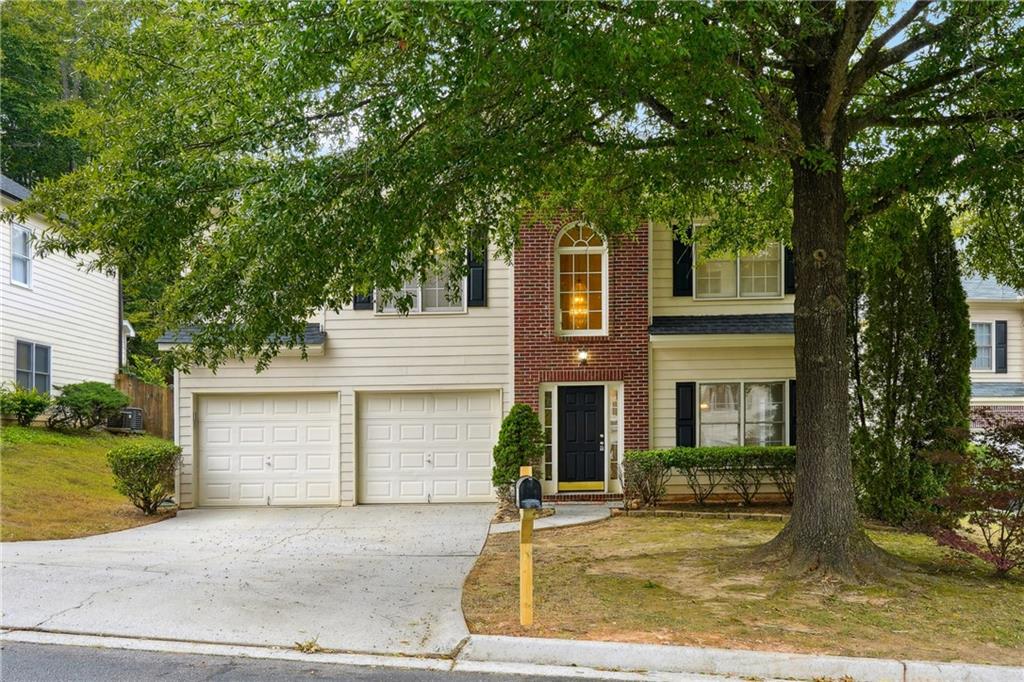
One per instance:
(528, 499)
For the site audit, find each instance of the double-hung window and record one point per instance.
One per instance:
(21, 255)
(743, 413)
(756, 275)
(433, 294)
(984, 342)
(33, 366)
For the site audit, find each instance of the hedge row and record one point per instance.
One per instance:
(645, 473)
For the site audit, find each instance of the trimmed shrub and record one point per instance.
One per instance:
(144, 471)
(520, 443)
(23, 404)
(645, 474)
(743, 469)
(86, 405)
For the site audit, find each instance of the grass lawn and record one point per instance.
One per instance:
(55, 485)
(678, 581)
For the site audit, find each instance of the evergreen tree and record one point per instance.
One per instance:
(913, 354)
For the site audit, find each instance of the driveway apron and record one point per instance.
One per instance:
(384, 579)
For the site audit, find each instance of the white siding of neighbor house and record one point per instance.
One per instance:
(70, 309)
(367, 352)
(664, 303)
(1013, 313)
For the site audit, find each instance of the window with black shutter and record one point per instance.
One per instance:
(1001, 346)
(682, 264)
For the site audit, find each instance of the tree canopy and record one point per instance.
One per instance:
(285, 155)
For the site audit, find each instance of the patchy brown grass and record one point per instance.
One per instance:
(56, 485)
(684, 581)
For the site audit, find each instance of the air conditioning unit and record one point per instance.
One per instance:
(128, 420)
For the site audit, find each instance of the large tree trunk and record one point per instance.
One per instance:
(824, 534)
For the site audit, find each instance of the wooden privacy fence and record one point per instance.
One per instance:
(156, 402)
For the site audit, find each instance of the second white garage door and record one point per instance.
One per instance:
(277, 449)
(427, 447)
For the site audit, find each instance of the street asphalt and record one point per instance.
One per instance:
(21, 662)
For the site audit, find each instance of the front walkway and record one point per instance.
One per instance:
(365, 579)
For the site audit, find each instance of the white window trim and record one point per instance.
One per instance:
(992, 336)
(738, 296)
(32, 358)
(16, 228)
(378, 307)
(559, 250)
(786, 407)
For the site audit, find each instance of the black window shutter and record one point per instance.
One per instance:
(792, 411)
(686, 414)
(682, 264)
(1001, 346)
(476, 280)
(789, 272)
(362, 302)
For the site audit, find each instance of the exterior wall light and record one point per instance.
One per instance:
(582, 356)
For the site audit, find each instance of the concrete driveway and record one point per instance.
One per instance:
(368, 579)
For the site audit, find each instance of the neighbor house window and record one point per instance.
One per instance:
(434, 294)
(757, 275)
(581, 265)
(743, 413)
(33, 366)
(984, 355)
(21, 255)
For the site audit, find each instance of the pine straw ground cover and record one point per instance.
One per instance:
(58, 485)
(680, 581)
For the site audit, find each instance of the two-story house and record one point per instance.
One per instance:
(631, 344)
(997, 371)
(60, 322)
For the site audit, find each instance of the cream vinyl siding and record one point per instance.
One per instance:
(1013, 313)
(369, 352)
(671, 365)
(70, 309)
(664, 303)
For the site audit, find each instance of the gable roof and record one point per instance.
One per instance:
(313, 335)
(769, 323)
(987, 289)
(14, 190)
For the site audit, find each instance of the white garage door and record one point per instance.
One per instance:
(427, 447)
(268, 450)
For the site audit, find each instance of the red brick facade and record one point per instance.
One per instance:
(542, 356)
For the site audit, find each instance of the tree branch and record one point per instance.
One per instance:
(876, 58)
(925, 121)
(857, 17)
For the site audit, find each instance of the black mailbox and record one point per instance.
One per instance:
(528, 493)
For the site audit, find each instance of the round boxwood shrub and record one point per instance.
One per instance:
(144, 471)
(520, 443)
(86, 405)
(23, 404)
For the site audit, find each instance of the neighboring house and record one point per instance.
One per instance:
(997, 372)
(61, 323)
(629, 345)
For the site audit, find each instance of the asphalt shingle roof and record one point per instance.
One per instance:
(772, 323)
(314, 334)
(13, 189)
(985, 289)
(997, 389)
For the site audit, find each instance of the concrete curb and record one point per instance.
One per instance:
(537, 657)
(722, 662)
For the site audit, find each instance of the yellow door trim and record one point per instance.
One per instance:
(581, 485)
